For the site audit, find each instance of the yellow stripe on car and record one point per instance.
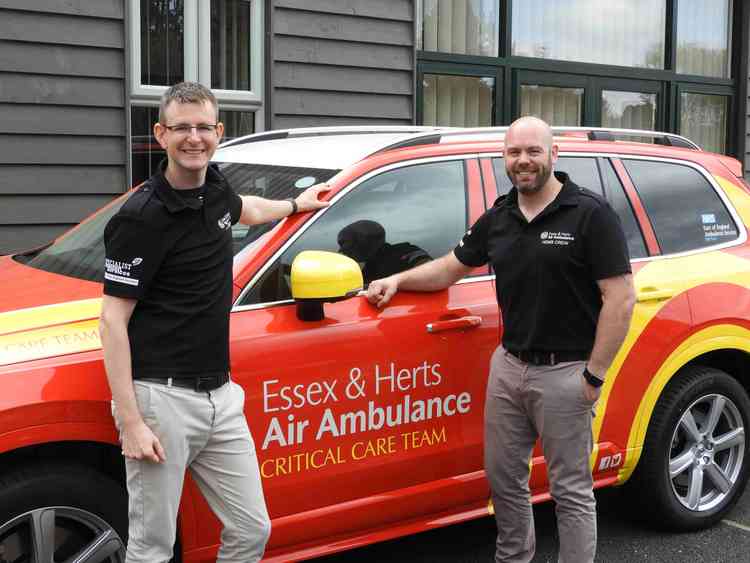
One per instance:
(58, 313)
(49, 342)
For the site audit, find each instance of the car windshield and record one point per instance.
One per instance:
(79, 253)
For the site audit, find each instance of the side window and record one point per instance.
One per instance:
(620, 203)
(390, 222)
(582, 170)
(684, 209)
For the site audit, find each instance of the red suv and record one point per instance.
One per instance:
(368, 423)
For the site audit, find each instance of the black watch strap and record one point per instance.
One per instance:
(591, 379)
(294, 204)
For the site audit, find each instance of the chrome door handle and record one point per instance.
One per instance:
(471, 321)
(653, 294)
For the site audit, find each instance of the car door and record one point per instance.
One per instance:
(371, 416)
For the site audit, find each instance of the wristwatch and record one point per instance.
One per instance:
(591, 379)
(294, 204)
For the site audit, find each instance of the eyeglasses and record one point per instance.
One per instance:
(183, 129)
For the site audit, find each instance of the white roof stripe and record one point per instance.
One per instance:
(332, 152)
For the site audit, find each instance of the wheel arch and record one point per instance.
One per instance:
(103, 457)
(722, 346)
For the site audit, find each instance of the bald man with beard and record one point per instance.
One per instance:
(565, 290)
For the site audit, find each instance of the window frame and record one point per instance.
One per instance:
(197, 61)
(457, 69)
(603, 161)
(630, 85)
(730, 135)
(741, 238)
(523, 77)
(511, 67)
(469, 192)
(674, 6)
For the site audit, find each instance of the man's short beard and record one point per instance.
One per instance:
(544, 175)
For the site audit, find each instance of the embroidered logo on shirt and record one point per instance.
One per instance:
(137, 261)
(120, 271)
(225, 222)
(558, 238)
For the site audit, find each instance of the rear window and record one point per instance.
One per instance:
(685, 210)
(80, 252)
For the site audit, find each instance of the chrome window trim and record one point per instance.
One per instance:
(741, 239)
(236, 307)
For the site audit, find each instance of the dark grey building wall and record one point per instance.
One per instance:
(340, 62)
(62, 115)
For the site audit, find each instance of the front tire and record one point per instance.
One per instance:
(59, 512)
(696, 456)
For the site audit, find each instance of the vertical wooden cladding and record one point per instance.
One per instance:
(342, 62)
(62, 105)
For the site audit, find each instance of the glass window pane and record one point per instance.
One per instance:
(621, 204)
(146, 152)
(628, 110)
(617, 33)
(389, 223)
(162, 42)
(556, 106)
(703, 119)
(270, 182)
(703, 37)
(458, 101)
(237, 123)
(684, 209)
(230, 44)
(468, 27)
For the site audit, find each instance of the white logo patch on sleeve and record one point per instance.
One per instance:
(120, 272)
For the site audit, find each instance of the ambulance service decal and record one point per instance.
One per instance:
(384, 410)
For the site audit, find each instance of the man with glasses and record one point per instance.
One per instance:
(165, 333)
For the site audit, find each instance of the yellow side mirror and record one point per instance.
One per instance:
(318, 276)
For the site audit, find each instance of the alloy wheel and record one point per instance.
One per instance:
(59, 534)
(707, 452)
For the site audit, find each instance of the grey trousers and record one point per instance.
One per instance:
(205, 432)
(525, 402)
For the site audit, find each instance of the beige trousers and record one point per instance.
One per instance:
(206, 433)
(525, 402)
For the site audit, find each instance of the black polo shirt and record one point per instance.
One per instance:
(546, 270)
(172, 251)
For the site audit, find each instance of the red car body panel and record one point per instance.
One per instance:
(318, 393)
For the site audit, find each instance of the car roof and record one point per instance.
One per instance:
(332, 148)
(336, 148)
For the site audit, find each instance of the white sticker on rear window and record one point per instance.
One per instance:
(304, 183)
(719, 231)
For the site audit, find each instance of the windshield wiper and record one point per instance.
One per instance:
(26, 257)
